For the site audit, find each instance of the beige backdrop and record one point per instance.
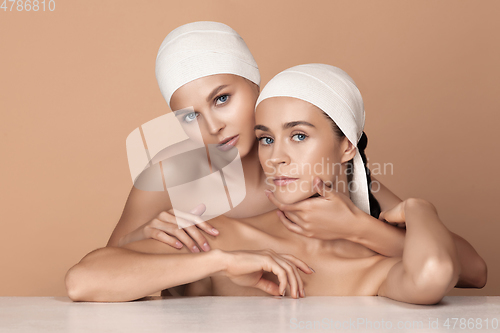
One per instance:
(75, 82)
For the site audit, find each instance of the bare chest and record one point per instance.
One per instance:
(333, 276)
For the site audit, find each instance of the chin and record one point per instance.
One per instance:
(290, 197)
(245, 146)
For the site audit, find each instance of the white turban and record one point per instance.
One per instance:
(199, 49)
(335, 93)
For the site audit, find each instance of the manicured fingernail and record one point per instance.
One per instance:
(215, 231)
(178, 244)
(311, 269)
(267, 192)
(206, 246)
(195, 249)
(283, 293)
(303, 293)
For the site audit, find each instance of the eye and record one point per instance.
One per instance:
(299, 137)
(265, 140)
(190, 117)
(221, 99)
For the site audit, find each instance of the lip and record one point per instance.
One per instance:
(229, 142)
(283, 181)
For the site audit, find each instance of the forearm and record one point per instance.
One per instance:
(385, 197)
(389, 241)
(379, 236)
(473, 268)
(430, 258)
(116, 274)
(429, 267)
(120, 238)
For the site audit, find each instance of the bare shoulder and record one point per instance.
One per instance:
(230, 233)
(140, 207)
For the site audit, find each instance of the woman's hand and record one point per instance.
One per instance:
(246, 268)
(165, 228)
(330, 216)
(395, 216)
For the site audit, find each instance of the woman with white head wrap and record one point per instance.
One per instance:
(335, 93)
(205, 67)
(201, 49)
(291, 128)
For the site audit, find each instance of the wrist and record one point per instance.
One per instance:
(379, 236)
(218, 260)
(363, 227)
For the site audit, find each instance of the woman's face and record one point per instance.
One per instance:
(297, 143)
(221, 108)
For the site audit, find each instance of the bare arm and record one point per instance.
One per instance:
(113, 274)
(141, 207)
(149, 214)
(388, 240)
(429, 267)
(384, 196)
(474, 270)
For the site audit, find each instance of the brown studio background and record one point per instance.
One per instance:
(75, 82)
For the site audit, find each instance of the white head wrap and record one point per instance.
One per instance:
(333, 91)
(199, 49)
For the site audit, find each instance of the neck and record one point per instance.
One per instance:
(314, 245)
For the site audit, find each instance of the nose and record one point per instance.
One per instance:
(214, 124)
(279, 155)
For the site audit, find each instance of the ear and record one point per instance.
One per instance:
(348, 150)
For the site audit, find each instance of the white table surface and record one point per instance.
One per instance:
(245, 314)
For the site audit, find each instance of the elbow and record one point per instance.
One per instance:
(80, 279)
(437, 278)
(75, 284)
(417, 203)
(81, 287)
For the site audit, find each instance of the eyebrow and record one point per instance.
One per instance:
(215, 91)
(182, 112)
(285, 125)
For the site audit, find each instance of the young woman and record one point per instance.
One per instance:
(258, 255)
(206, 66)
